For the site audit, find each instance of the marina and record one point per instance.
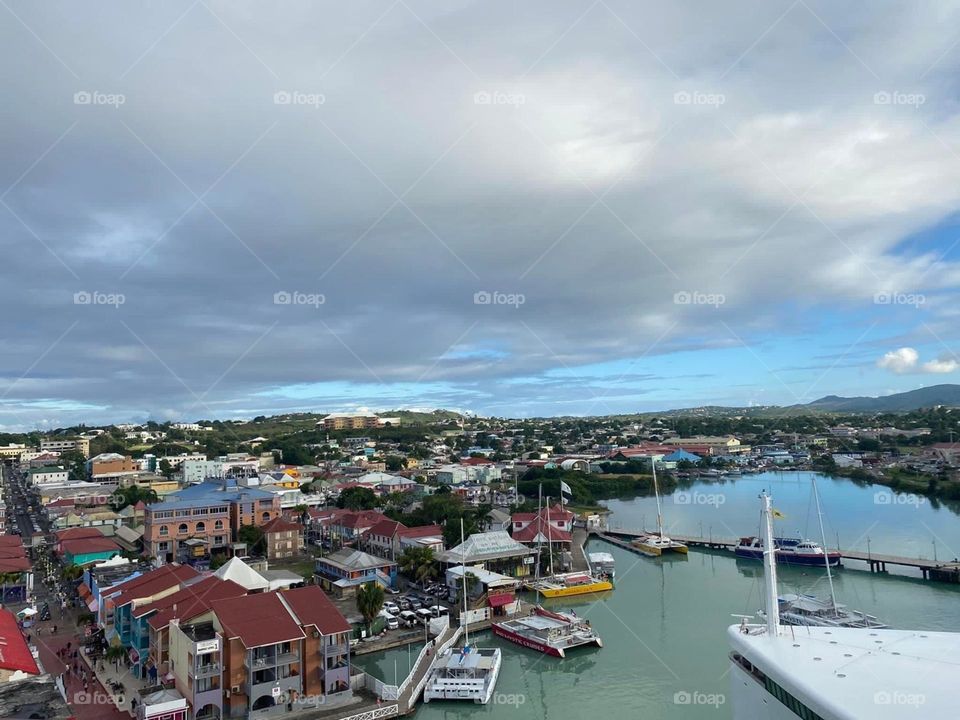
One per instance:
(679, 670)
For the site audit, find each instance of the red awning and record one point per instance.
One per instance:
(500, 600)
(84, 591)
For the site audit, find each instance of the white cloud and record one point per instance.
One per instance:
(899, 361)
(907, 360)
(940, 366)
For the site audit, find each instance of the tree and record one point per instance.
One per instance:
(418, 564)
(131, 496)
(251, 535)
(75, 464)
(166, 469)
(357, 498)
(394, 463)
(370, 598)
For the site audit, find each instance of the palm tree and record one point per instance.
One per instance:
(115, 653)
(370, 598)
(418, 563)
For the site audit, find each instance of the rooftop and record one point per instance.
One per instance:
(260, 619)
(14, 652)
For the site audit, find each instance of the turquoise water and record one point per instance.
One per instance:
(664, 625)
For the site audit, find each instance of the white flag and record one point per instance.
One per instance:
(564, 488)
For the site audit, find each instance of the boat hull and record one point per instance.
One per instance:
(526, 642)
(791, 558)
(585, 589)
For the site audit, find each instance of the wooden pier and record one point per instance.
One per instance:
(929, 569)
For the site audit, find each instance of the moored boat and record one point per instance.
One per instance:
(566, 584)
(790, 551)
(552, 633)
(657, 544)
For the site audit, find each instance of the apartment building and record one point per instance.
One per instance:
(202, 519)
(284, 539)
(278, 648)
(81, 445)
(12, 450)
(350, 421)
(47, 476)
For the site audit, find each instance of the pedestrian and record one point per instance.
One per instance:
(54, 632)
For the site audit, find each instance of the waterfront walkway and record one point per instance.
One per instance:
(929, 569)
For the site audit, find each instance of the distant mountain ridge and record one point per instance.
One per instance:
(898, 402)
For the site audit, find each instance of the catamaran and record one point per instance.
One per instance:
(656, 545)
(563, 584)
(836, 673)
(552, 633)
(463, 673)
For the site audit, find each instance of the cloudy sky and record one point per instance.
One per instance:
(222, 209)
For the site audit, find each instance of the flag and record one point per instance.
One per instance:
(777, 514)
(564, 489)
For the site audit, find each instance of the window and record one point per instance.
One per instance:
(201, 527)
(218, 525)
(266, 516)
(182, 529)
(164, 530)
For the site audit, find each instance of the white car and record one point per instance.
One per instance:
(391, 608)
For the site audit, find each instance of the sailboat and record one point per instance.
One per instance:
(463, 673)
(656, 545)
(563, 584)
(808, 610)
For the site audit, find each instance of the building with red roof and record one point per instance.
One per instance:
(552, 524)
(16, 658)
(84, 551)
(283, 538)
(296, 641)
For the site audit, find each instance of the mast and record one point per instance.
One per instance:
(549, 543)
(656, 491)
(463, 564)
(823, 539)
(770, 568)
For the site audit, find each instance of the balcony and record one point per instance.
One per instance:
(265, 661)
(340, 649)
(204, 670)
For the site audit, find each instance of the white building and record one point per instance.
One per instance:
(468, 474)
(46, 476)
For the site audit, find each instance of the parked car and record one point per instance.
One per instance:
(393, 623)
(439, 610)
(424, 615)
(391, 608)
(408, 618)
(404, 603)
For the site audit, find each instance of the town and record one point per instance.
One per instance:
(211, 570)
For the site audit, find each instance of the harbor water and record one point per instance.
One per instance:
(664, 626)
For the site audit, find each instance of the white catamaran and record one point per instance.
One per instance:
(837, 673)
(655, 545)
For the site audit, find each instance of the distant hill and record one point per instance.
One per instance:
(898, 402)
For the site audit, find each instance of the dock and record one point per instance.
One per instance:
(948, 572)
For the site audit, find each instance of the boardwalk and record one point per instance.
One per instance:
(929, 569)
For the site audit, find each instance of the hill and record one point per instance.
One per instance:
(899, 402)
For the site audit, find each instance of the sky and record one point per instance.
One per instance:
(215, 209)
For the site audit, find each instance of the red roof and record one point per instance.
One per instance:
(15, 564)
(386, 527)
(475, 461)
(421, 531)
(190, 601)
(538, 527)
(78, 533)
(148, 584)
(14, 651)
(500, 599)
(311, 606)
(260, 619)
(89, 545)
(6, 540)
(278, 524)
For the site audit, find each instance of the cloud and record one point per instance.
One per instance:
(907, 360)
(900, 361)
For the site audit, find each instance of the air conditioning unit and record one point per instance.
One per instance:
(235, 689)
(316, 633)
